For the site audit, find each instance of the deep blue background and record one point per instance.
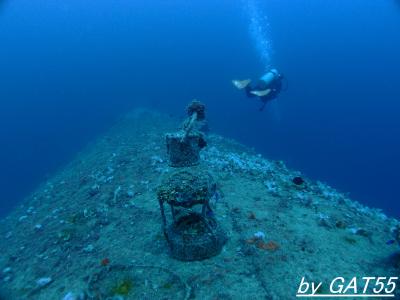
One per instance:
(68, 69)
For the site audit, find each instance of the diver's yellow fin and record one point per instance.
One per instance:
(261, 93)
(241, 84)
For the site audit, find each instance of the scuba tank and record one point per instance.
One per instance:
(270, 76)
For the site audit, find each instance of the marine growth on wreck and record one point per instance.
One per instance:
(155, 210)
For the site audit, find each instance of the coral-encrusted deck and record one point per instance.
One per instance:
(96, 225)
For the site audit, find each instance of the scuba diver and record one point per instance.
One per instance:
(266, 89)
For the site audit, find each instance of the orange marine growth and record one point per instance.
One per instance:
(270, 246)
(105, 261)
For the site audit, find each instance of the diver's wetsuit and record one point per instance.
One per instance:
(275, 86)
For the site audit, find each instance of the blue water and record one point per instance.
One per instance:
(69, 69)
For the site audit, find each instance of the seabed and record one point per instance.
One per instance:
(93, 230)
